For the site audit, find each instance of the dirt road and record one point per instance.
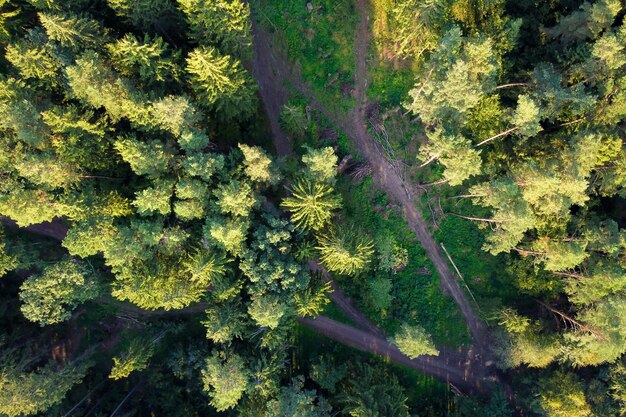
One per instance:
(269, 75)
(385, 173)
(454, 367)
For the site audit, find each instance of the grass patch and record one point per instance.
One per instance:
(320, 42)
(415, 294)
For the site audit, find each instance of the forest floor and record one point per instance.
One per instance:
(468, 367)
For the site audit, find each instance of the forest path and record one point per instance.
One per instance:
(456, 367)
(391, 180)
(386, 173)
(465, 368)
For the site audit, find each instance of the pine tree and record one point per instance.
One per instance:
(345, 251)
(220, 82)
(225, 379)
(25, 393)
(258, 166)
(320, 164)
(50, 297)
(150, 59)
(311, 204)
(414, 341)
(222, 22)
(73, 31)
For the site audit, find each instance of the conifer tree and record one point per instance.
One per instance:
(345, 251)
(225, 379)
(51, 297)
(311, 204)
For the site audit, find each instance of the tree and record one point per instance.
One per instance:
(160, 16)
(585, 23)
(220, 82)
(236, 198)
(454, 152)
(150, 59)
(267, 310)
(35, 59)
(8, 261)
(50, 297)
(561, 395)
(145, 158)
(25, 393)
(258, 166)
(458, 75)
(312, 301)
(311, 204)
(156, 199)
(72, 31)
(345, 251)
(222, 22)
(294, 400)
(203, 165)
(413, 341)
(19, 113)
(135, 356)
(373, 392)
(512, 215)
(48, 171)
(229, 234)
(225, 378)
(320, 164)
(225, 322)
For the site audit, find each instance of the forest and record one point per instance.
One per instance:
(313, 208)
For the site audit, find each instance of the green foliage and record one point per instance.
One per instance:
(222, 22)
(294, 400)
(267, 310)
(345, 251)
(25, 393)
(220, 82)
(561, 395)
(372, 393)
(72, 31)
(227, 233)
(321, 164)
(379, 294)
(236, 198)
(8, 261)
(225, 322)
(258, 166)
(150, 59)
(50, 297)
(312, 301)
(35, 59)
(225, 378)
(145, 158)
(311, 204)
(413, 341)
(135, 356)
(93, 82)
(156, 199)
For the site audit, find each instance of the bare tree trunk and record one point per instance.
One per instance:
(527, 252)
(499, 135)
(573, 322)
(430, 184)
(512, 85)
(460, 276)
(85, 398)
(480, 219)
(131, 392)
(431, 159)
(465, 196)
